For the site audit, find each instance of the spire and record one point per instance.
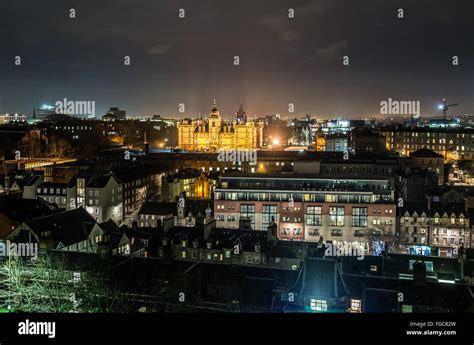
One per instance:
(241, 117)
(214, 106)
(214, 110)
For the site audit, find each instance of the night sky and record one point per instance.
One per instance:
(282, 60)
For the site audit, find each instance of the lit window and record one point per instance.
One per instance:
(318, 304)
(356, 305)
(336, 216)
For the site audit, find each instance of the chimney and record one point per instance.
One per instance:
(199, 219)
(257, 247)
(272, 233)
(208, 212)
(419, 273)
(208, 227)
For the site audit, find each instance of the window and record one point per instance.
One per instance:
(359, 216)
(269, 215)
(336, 216)
(314, 216)
(356, 305)
(318, 304)
(248, 211)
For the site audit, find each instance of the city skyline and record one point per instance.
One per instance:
(168, 159)
(282, 60)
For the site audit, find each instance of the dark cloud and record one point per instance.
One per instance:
(282, 59)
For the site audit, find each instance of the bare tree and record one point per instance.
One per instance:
(45, 285)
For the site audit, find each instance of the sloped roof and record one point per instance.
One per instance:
(99, 181)
(425, 153)
(436, 208)
(321, 278)
(33, 180)
(193, 206)
(467, 191)
(21, 210)
(67, 227)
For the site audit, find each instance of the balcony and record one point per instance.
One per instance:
(359, 233)
(336, 232)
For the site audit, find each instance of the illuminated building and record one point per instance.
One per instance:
(191, 183)
(305, 208)
(320, 140)
(8, 118)
(452, 143)
(434, 228)
(139, 183)
(115, 114)
(336, 142)
(429, 160)
(41, 113)
(102, 196)
(214, 133)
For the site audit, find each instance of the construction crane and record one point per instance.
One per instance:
(445, 107)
